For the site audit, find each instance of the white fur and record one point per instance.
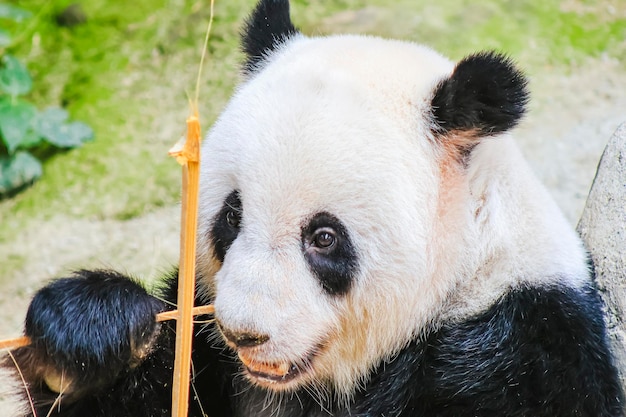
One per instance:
(314, 131)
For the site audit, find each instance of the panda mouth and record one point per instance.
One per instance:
(274, 373)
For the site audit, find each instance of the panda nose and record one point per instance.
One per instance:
(243, 339)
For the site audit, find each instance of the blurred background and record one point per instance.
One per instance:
(121, 72)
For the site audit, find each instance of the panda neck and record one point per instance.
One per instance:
(504, 230)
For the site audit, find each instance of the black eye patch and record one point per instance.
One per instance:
(227, 224)
(329, 252)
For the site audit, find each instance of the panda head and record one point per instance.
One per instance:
(345, 198)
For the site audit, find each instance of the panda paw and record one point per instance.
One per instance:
(86, 330)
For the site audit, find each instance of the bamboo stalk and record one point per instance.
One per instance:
(189, 156)
(196, 311)
(15, 343)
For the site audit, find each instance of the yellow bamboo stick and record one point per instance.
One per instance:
(196, 311)
(15, 343)
(189, 156)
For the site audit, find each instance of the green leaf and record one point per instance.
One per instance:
(80, 132)
(5, 38)
(15, 121)
(14, 77)
(14, 13)
(51, 125)
(17, 171)
(30, 139)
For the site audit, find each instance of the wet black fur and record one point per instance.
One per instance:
(537, 352)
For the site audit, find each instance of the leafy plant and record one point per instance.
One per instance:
(22, 126)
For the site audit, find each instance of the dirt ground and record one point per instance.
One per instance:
(571, 118)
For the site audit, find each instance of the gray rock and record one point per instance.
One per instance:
(603, 228)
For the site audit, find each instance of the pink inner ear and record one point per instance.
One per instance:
(456, 147)
(458, 144)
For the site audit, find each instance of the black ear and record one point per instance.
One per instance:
(268, 26)
(485, 94)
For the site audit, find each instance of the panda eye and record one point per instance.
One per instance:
(226, 225)
(329, 252)
(233, 218)
(324, 238)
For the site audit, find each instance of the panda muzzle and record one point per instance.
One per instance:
(271, 371)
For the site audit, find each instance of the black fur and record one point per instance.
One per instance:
(267, 27)
(98, 330)
(537, 352)
(82, 328)
(335, 266)
(226, 226)
(485, 94)
(87, 320)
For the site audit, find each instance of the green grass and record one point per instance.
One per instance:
(539, 32)
(126, 71)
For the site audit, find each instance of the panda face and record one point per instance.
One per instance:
(347, 195)
(316, 208)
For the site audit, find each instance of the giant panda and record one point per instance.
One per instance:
(374, 245)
